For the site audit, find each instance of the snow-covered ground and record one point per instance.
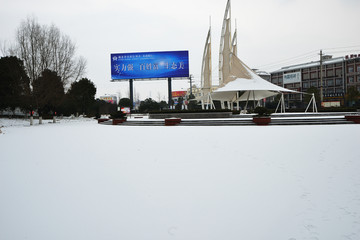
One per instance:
(77, 179)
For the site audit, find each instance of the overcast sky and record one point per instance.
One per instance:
(271, 33)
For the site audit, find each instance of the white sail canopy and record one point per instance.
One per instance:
(206, 70)
(245, 80)
(237, 81)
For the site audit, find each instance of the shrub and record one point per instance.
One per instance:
(261, 111)
(190, 111)
(117, 115)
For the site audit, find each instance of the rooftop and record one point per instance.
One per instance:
(310, 64)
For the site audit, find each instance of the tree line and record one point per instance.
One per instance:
(45, 94)
(41, 72)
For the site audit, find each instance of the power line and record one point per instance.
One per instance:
(294, 61)
(289, 59)
(308, 55)
(342, 47)
(345, 51)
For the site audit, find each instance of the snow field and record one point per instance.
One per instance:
(82, 180)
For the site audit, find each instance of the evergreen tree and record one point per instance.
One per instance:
(352, 95)
(163, 105)
(82, 95)
(103, 107)
(149, 105)
(125, 102)
(180, 103)
(48, 92)
(14, 83)
(193, 105)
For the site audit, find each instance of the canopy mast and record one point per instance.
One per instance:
(225, 46)
(206, 68)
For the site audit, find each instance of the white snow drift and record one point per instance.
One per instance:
(82, 180)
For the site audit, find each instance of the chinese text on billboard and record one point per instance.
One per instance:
(149, 65)
(292, 77)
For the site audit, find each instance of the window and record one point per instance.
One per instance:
(330, 82)
(313, 83)
(351, 80)
(314, 75)
(330, 73)
(339, 90)
(306, 76)
(358, 68)
(329, 90)
(306, 85)
(338, 82)
(338, 72)
(350, 69)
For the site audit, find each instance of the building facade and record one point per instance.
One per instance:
(338, 74)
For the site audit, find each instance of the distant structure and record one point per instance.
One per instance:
(109, 98)
(263, 74)
(176, 95)
(195, 90)
(339, 74)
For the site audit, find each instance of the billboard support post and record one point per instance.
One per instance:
(131, 92)
(169, 92)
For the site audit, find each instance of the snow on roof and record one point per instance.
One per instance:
(309, 65)
(263, 73)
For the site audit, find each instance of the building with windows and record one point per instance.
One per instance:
(338, 74)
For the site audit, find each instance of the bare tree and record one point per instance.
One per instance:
(44, 47)
(3, 48)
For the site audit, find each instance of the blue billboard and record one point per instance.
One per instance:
(145, 65)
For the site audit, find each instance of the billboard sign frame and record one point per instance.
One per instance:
(149, 65)
(294, 77)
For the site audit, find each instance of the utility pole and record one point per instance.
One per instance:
(321, 77)
(190, 78)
